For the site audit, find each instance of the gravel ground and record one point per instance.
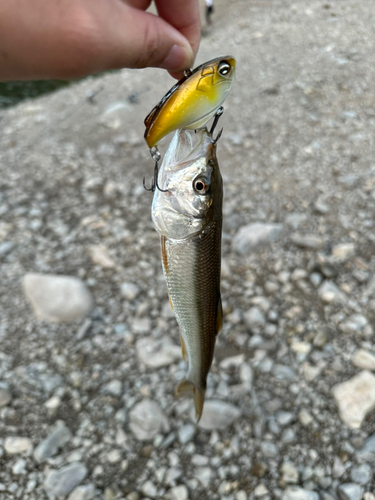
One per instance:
(89, 355)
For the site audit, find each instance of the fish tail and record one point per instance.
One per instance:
(187, 387)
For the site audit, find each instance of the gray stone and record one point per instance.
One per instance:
(254, 319)
(349, 491)
(361, 474)
(308, 241)
(368, 449)
(100, 256)
(329, 293)
(355, 398)
(5, 397)
(57, 298)
(343, 251)
(19, 467)
(86, 492)
(149, 489)
(63, 481)
(253, 236)
(114, 388)
(204, 475)
(355, 323)
(179, 493)
(296, 493)
(16, 444)
(269, 449)
(147, 419)
(289, 473)
(129, 291)
(58, 437)
(6, 248)
(295, 220)
(364, 359)
(186, 433)
(218, 415)
(156, 353)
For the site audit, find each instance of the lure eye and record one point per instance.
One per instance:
(224, 68)
(201, 186)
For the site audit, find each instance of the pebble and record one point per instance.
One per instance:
(57, 298)
(363, 359)
(147, 419)
(296, 493)
(5, 397)
(253, 236)
(58, 437)
(149, 489)
(254, 319)
(19, 467)
(129, 291)
(361, 474)
(156, 353)
(86, 492)
(100, 256)
(350, 491)
(218, 415)
(329, 293)
(179, 493)
(355, 398)
(114, 388)
(63, 481)
(186, 433)
(355, 323)
(368, 449)
(204, 475)
(289, 473)
(308, 241)
(295, 219)
(344, 251)
(15, 444)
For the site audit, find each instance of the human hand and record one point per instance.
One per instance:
(68, 39)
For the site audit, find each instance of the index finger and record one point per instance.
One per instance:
(184, 16)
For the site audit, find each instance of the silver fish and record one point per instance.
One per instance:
(188, 216)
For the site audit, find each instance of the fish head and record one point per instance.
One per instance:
(191, 184)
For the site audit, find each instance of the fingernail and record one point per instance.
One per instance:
(177, 59)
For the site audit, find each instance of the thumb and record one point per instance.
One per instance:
(141, 39)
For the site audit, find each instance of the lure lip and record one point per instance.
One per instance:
(150, 118)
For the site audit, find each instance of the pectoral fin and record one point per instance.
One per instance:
(183, 348)
(187, 387)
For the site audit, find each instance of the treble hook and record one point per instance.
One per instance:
(218, 114)
(154, 183)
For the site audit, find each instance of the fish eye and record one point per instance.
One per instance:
(224, 68)
(201, 186)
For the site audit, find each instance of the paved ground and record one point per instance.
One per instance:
(291, 397)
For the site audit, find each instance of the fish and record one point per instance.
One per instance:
(187, 213)
(192, 101)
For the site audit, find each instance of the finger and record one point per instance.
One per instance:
(184, 16)
(140, 39)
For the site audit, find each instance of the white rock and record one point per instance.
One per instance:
(260, 490)
(253, 236)
(129, 291)
(308, 241)
(204, 475)
(350, 491)
(63, 481)
(296, 493)
(254, 319)
(15, 444)
(343, 251)
(186, 433)
(218, 415)
(355, 398)
(100, 256)
(19, 467)
(114, 388)
(147, 419)
(86, 492)
(355, 323)
(56, 439)
(179, 493)
(149, 489)
(57, 298)
(364, 359)
(329, 293)
(156, 353)
(289, 473)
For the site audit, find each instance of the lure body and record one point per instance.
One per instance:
(192, 101)
(188, 216)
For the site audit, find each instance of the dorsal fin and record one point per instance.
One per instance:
(150, 116)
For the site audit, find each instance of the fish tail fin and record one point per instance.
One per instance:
(187, 387)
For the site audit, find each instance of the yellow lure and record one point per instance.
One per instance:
(192, 101)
